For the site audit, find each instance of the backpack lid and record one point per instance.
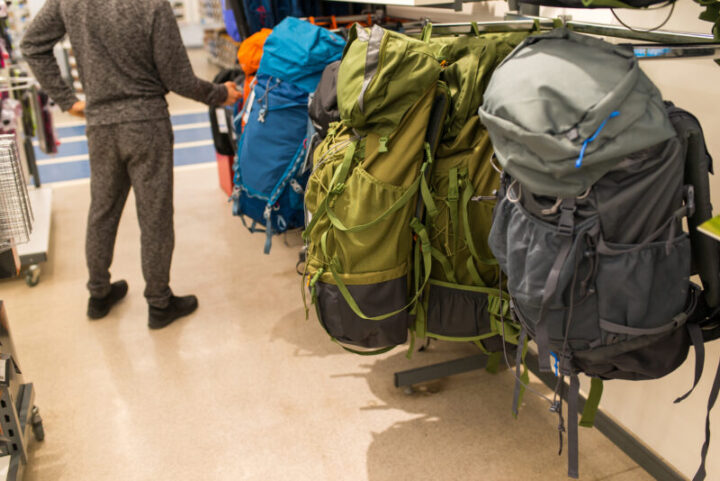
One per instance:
(297, 51)
(382, 74)
(470, 63)
(251, 50)
(323, 108)
(563, 109)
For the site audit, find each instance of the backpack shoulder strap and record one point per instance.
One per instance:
(698, 167)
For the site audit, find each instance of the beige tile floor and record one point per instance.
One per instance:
(246, 388)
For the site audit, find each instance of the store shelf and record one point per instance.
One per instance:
(35, 251)
(221, 48)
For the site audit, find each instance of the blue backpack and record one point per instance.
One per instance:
(270, 168)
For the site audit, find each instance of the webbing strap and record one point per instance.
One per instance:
(493, 362)
(565, 230)
(430, 206)
(445, 263)
(452, 199)
(336, 186)
(427, 32)
(467, 196)
(427, 259)
(474, 272)
(521, 380)
(700, 475)
(340, 175)
(397, 205)
(606, 3)
(696, 336)
(268, 230)
(593, 402)
(573, 396)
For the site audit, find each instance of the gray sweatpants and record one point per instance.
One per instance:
(137, 154)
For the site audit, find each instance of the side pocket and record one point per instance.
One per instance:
(457, 312)
(526, 249)
(382, 246)
(375, 299)
(642, 288)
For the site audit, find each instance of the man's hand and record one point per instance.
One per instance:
(78, 109)
(234, 95)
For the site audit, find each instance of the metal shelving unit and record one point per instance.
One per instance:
(19, 417)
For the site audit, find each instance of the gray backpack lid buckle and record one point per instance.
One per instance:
(566, 224)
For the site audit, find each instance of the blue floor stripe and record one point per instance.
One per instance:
(81, 169)
(73, 131)
(67, 171)
(195, 155)
(192, 118)
(81, 148)
(177, 119)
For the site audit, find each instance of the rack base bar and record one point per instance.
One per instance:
(440, 370)
(646, 458)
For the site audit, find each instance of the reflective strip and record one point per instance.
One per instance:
(362, 34)
(372, 60)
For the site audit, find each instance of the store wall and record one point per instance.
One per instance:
(675, 432)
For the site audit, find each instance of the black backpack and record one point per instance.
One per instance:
(221, 118)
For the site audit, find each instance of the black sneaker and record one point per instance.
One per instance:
(99, 307)
(177, 308)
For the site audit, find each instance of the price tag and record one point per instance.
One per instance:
(222, 120)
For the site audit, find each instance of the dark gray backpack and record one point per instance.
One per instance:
(588, 228)
(323, 108)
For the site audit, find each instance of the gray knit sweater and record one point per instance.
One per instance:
(129, 55)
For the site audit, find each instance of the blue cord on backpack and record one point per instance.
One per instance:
(578, 162)
(556, 364)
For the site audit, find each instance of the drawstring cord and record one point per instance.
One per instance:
(578, 162)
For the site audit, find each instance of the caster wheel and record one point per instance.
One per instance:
(32, 275)
(38, 431)
(409, 391)
(37, 425)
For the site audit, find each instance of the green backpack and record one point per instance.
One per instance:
(362, 194)
(465, 299)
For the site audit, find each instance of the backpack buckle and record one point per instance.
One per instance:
(566, 224)
(296, 187)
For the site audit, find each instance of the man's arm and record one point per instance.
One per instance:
(173, 64)
(44, 32)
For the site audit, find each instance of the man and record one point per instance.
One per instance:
(129, 55)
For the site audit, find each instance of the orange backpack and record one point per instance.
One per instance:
(249, 55)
